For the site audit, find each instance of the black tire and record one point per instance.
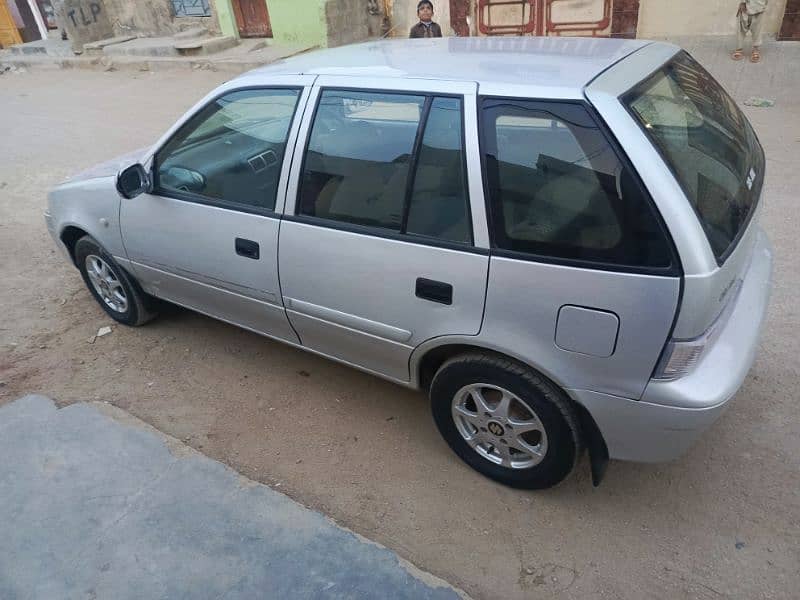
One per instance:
(551, 406)
(139, 308)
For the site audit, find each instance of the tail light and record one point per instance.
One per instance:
(680, 357)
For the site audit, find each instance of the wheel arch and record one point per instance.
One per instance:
(69, 236)
(429, 357)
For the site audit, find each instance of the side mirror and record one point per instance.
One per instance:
(133, 181)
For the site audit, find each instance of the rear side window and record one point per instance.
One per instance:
(708, 143)
(388, 161)
(438, 205)
(558, 190)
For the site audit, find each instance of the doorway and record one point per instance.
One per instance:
(549, 17)
(790, 27)
(9, 34)
(252, 18)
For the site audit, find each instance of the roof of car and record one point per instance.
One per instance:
(558, 62)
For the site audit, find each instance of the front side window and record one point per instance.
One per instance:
(389, 161)
(558, 190)
(708, 143)
(231, 151)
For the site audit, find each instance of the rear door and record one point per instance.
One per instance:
(207, 236)
(377, 249)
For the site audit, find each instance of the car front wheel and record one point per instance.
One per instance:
(111, 286)
(506, 421)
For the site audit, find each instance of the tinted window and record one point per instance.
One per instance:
(439, 204)
(558, 189)
(357, 162)
(707, 141)
(232, 150)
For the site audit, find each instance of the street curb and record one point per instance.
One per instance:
(107, 64)
(126, 63)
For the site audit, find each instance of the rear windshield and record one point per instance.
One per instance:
(707, 142)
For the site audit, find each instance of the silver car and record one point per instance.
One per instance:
(557, 239)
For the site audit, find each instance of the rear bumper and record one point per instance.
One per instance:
(644, 432)
(724, 366)
(672, 414)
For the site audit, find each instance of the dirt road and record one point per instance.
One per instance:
(722, 521)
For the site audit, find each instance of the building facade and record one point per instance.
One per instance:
(321, 23)
(615, 18)
(303, 22)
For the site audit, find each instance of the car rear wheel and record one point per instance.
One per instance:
(116, 292)
(505, 421)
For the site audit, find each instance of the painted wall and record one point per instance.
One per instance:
(300, 22)
(310, 22)
(226, 18)
(658, 18)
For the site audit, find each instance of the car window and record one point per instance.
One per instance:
(231, 151)
(707, 141)
(366, 165)
(358, 157)
(558, 189)
(439, 204)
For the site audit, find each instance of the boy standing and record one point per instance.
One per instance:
(426, 28)
(751, 18)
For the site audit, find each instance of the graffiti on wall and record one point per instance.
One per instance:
(84, 21)
(84, 15)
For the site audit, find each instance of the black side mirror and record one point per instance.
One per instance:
(133, 181)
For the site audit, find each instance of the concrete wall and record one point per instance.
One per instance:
(349, 21)
(84, 21)
(145, 17)
(659, 18)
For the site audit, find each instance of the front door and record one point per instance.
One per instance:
(207, 237)
(252, 18)
(9, 34)
(377, 254)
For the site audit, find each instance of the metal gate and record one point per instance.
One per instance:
(191, 8)
(544, 17)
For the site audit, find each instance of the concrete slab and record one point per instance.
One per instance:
(100, 46)
(96, 504)
(154, 46)
(204, 46)
(50, 47)
(191, 33)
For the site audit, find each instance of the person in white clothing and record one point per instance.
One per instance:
(750, 18)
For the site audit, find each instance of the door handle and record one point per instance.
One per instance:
(435, 291)
(247, 248)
